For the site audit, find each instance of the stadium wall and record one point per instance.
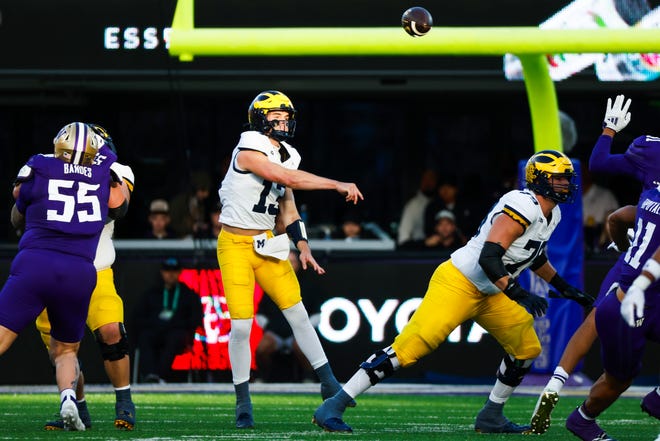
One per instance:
(366, 297)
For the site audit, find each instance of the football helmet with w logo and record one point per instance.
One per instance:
(76, 143)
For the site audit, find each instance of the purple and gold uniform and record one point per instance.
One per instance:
(64, 206)
(622, 346)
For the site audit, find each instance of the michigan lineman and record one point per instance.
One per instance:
(257, 197)
(479, 282)
(105, 317)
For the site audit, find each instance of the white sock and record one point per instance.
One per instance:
(360, 381)
(500, 392)
(239, 350)
(558, 379)
(357, 384)
(305, 334)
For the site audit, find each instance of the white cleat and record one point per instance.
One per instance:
(69, 414)
(544, 407)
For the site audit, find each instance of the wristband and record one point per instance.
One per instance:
(652, 267)
(641, 282)
(296, 230)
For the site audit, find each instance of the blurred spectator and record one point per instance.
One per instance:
(597, 203)
(189, 210)
(277, 344)
(446, 235)
(165, 320)
(446, 198)
(352, 227)
(411, 225)
(214, 221)
(159, 220)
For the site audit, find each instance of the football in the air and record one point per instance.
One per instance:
(417, 21)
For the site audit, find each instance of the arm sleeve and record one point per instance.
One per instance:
(603, 161)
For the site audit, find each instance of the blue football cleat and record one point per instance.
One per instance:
(244, 421)
(328, 417)
(330, 390)
(491, 420)
(125, 415)
(333, 424)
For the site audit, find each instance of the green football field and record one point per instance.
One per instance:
(280, 416)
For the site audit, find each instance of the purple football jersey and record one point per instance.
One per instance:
(65, 205)
(622, 346)
(644, 243)
(641, 160)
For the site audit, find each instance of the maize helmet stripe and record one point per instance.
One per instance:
(541, 170)
(267, 101)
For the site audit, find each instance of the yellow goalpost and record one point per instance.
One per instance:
(530, 44)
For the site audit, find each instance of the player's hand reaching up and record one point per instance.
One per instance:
(617, 116)
(351, 192)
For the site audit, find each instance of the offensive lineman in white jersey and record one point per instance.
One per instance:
(479, 282)
(257, 198)
(105, 317)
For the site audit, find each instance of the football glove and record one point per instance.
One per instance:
(617, 116)
(575, 294)
(534, 304)
(567, 291)
(632, 306)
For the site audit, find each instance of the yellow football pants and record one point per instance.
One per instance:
(450, 300)
(241, 266)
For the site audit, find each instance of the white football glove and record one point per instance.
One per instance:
(617, 116)
(632, 306)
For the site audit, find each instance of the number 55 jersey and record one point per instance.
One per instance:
(65, 205)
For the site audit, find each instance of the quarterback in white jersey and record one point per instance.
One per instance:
(479, 283)
(257, 197)
(248, 201)
(105, 316)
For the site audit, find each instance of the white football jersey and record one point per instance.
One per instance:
(105, 250)
(523, 207)
(249, 201)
